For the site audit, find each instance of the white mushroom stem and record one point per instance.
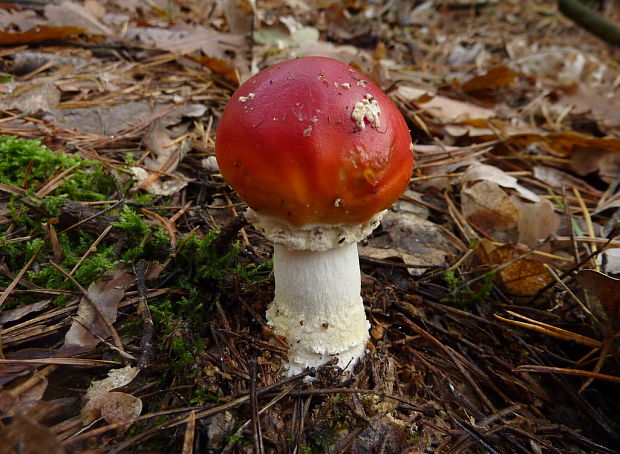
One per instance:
(318, 307)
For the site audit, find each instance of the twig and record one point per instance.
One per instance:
(13, 284)
(90, 250)
(256, 430)
(148, 329)
(563, 371)
(190, 432)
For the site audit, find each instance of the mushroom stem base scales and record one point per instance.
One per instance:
(317, 306)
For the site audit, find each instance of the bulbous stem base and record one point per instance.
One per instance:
(318, 308)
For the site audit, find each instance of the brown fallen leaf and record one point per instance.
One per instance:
(443, 108)
(187, 40)
(606, 289)
(490, 209)
(409, 236)
(523, 278)
(536, 221)
(113, 406)
(589, 160)
(484, 172)
(25, 435)
(563, 144)
(87, 327)
(167, 154)
(32, 97)
(39, 34)
(482, 86)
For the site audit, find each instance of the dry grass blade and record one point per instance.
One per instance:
(550, 330)
(564, 371)
(60, 362)
(7, 291)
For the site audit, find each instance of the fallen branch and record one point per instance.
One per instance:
(591, 21)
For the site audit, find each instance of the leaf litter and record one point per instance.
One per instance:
(490, 284)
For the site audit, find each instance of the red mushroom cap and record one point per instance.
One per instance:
(301, 140)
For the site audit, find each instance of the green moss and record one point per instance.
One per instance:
(132, 223)
(466, 297)
(29, 165)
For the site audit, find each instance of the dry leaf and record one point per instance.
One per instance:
(96, 9)
(536, 221)
(168, 154)
(239, 15)
(26, 436)
(75, 15)
(523, 278)
(484, 172)
(105, 293)
(606, 289)
(444, 109)
(22, 20)
(12, 315)
(182, 41)
(563, 144)
(557, 178)
(113, 120)
(497, 77)
(562, 65)
(407, 235)
(39, 33)
(119, 407)
(605, 163)
(224, 67)
(488, 206)
(32, 98)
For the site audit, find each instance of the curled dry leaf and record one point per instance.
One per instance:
(490, 209)
(106, 293)
(409, 236)
(523, 278)
(505, 218)
(167, 154)
(606, 289)
(100, 399)
(480, 172)
(12, 315)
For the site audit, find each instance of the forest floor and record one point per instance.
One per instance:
(133, 294)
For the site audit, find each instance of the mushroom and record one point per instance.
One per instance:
(318, 152)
